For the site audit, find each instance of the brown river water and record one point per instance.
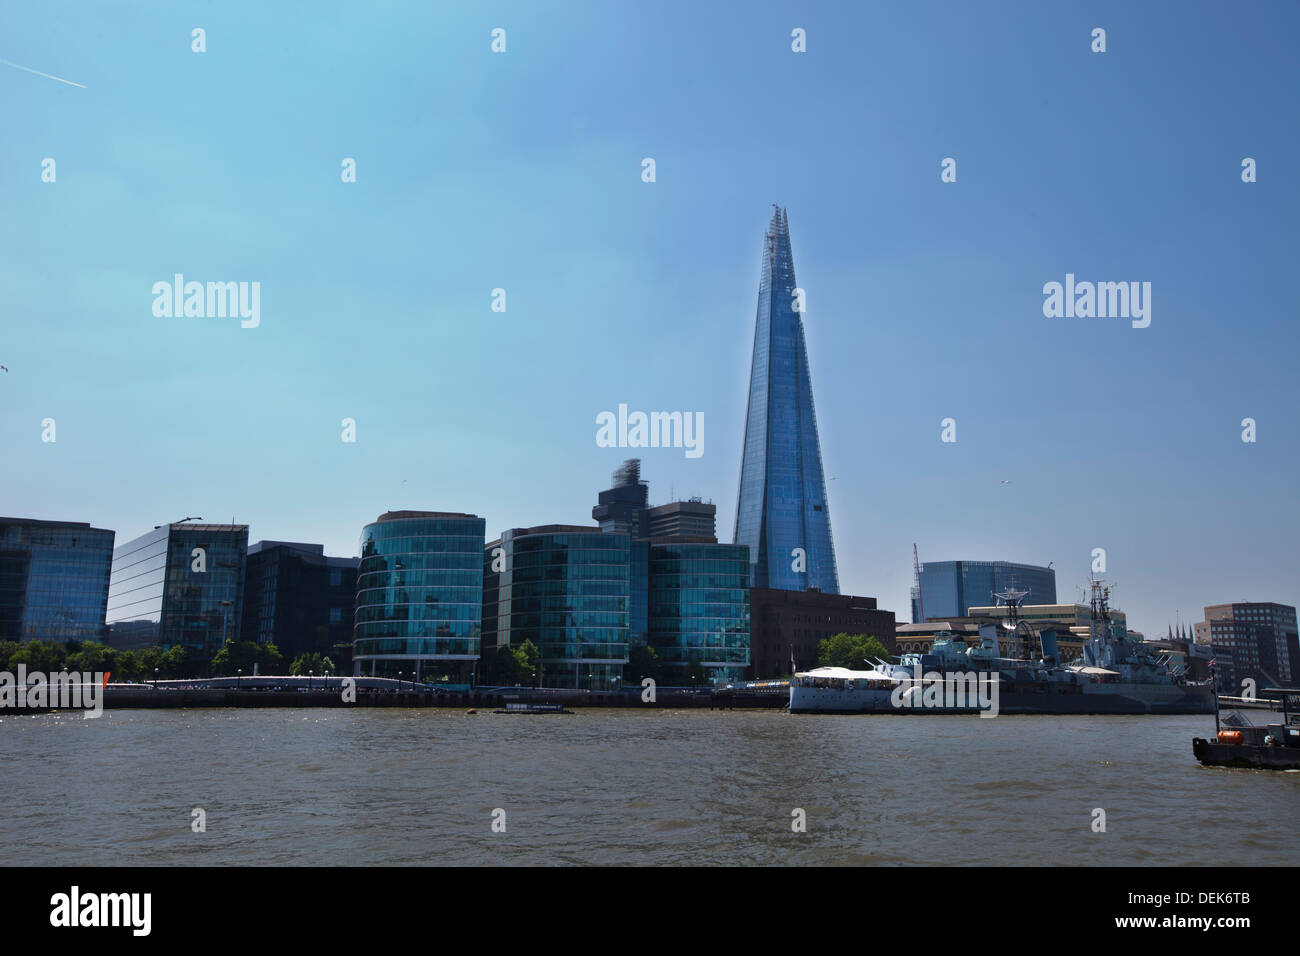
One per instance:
(389, 787)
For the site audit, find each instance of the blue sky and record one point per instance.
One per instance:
(522, 171)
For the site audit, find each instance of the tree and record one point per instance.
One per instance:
(44, 656)
(92, 658)
(531, 659)
(313, 662)
(244, 655)
(643, 661)
(849, 650)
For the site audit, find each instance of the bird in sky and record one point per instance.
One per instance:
(1006, 481)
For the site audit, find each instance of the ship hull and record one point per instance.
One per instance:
(1102, 699)
(1214, 754)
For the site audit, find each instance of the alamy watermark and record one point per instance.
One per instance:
(216, 300)
(1118, 300)
(66, 690)
(652, 430)
(966, 691)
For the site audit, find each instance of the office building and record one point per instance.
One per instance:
(419, 597)
(53, 580)
(625, 509)
(698, 592)
(952, 588)
(1260, 639)
(782, 513)
(567, 589)
(300, 600)
(181, 584)
(786, 627)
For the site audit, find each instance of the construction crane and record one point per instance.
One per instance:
(916, 588)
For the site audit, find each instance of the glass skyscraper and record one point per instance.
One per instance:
(53, 580)
(782, 513)
(180, 584)
(420, 597)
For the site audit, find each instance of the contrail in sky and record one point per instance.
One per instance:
(39, 73)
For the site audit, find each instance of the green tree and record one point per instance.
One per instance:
(45, 656)
(311, 661)
(94, 657)
(850, 650)
(530, 659)
(244, 655)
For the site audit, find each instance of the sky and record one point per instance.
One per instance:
(522, 170)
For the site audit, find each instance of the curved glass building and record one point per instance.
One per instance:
(699, 607)
(419, 597)
(567, 589)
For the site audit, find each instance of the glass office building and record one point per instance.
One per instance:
(782, 503)
(699, 608)
(567, 589)
(952, 588)
(420, 597)
(301, 600)
(181, 584)
(53, 580)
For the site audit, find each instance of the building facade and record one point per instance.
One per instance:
(782, 514)
(54, 579)
(1260, 640)
(567, 589)
(698, 594)
(952, 588)
(181, 584)
(625, 509)
(787, 626)
(300, 600)
(419, 600)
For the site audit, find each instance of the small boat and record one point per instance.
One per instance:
(1239, 743)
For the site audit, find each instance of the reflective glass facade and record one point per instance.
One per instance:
(420, 597)
(952, 588)
(300, 600)
(162, 592)
(53, 580)
(567, 589)
(699, 607)
(782, 500)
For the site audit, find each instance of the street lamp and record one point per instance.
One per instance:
(310, 674)
(155, 678)
(239, 675)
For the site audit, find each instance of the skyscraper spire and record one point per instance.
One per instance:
(781, 510)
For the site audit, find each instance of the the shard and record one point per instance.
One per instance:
(782, 513)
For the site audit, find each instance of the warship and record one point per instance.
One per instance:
(1114, 675)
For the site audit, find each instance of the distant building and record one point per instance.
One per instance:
(419, 597)
(952, 588)
(625, 509)
(53, 580)
(180, 584)
(1260, 639)
(300, 600)
(787, 626)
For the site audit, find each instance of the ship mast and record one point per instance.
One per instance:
(1012, 596)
